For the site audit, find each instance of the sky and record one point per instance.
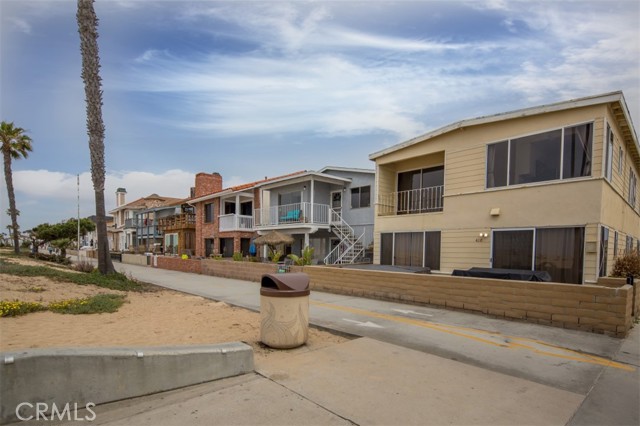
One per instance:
(251, 89)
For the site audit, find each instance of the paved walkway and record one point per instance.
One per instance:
(416, 365)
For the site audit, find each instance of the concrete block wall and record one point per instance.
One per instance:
(134, 259)
(83, 376)
(248, 271)
(193, 266)
(591, 308)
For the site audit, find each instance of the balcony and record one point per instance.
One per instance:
(291, 215)
(177, 222)
(130, 223)
(236, 222)
(414, 201)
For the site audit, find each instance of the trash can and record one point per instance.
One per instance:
(284, 310)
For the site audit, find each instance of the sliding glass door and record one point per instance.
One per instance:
(559, 251)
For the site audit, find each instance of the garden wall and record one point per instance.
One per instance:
(591, 308)
(193, 266)
(248, 271)
(134, 259)
(604, 308)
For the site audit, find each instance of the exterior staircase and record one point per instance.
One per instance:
(350, 248)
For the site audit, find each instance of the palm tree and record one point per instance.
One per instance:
(88, 30)
(15, 144)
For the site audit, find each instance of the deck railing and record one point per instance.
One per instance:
(291, 214)
(424, 200)
(236, 222)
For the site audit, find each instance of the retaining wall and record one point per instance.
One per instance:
(83, 376)
(591, 308)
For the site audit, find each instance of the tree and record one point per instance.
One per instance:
(15, 144)
(88, 30)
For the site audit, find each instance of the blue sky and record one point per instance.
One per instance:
(263, 88)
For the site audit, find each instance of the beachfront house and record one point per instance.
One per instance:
(552, 187)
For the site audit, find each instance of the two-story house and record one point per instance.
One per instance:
(168, 228)
(330, 210)
(552, 188)
(224, 216)
(127, 215)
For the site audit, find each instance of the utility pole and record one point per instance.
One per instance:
(78, 243)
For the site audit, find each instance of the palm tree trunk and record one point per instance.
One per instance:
(12, 201)
(88, 29)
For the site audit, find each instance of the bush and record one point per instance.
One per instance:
(237, 256)
(84, 266)
(63, 260)
(102, 303)
(628, 264)
(15, 308)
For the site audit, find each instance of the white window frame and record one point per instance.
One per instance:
(608, 158)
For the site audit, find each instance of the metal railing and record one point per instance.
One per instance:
(236, 222)
(289, 214)
(414, 201)
(130, 223)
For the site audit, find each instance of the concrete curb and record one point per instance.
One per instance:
(76, 378)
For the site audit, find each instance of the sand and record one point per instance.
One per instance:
(157, 318)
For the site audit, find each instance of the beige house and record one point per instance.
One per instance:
(551, 188)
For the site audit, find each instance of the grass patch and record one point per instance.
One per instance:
(16, 308)
(114, 281)
(101, 303)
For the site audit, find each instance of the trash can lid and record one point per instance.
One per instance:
(285, 285)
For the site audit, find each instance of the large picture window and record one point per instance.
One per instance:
(559, 251)
(559, 154)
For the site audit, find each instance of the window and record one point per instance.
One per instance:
(246, 208)
(620, 159)
(628, 244)
(615, 244)
(559, 251)
(361, 197)
(497, 161)
(208, 213)
(208, 247)
(608, 154)
(289, 198)
(577, 152)
(604, 251)
(414, 249)
(633, 188)
(229, 207)
(537, 158)
(420, 191)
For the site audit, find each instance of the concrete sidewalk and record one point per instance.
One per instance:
(408, 370)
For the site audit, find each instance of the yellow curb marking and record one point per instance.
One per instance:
(510, 343)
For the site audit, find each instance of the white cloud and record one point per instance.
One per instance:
(20, 25)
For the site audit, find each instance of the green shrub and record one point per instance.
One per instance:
(84, 266)
(102, 303)
(237, 256)
(628, 264)
(16, 307)
(305, 259)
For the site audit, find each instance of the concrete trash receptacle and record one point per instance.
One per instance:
(284, 310)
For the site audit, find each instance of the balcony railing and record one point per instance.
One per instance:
(130, 223)
(178, 221)
(414, 201)
(236, 222)
(292, 214)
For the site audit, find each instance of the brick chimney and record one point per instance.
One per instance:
(120, 195)
(208, 183)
